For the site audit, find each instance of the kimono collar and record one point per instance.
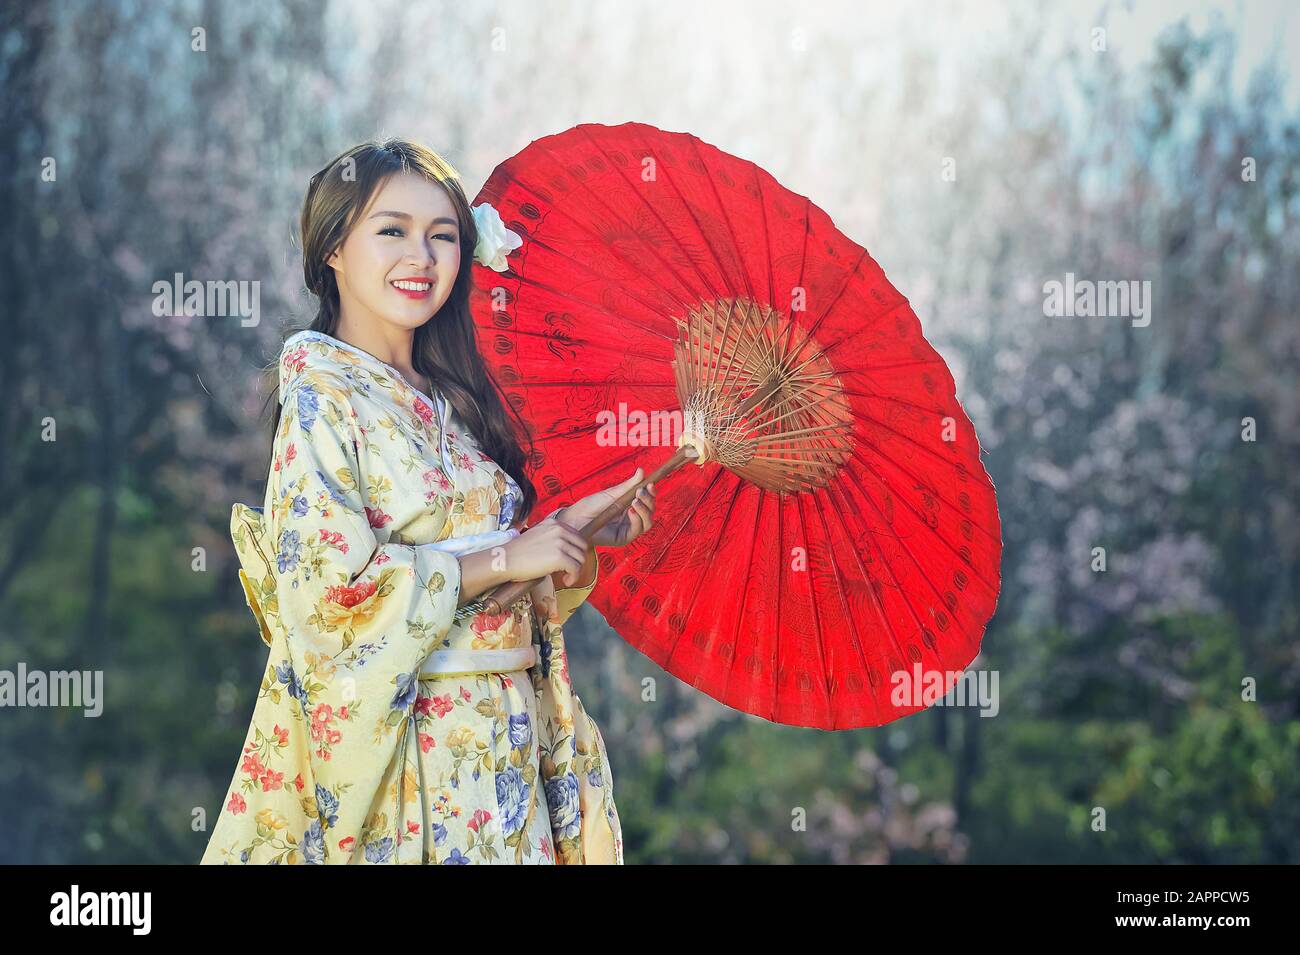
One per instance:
(312, 349)
(325, 352)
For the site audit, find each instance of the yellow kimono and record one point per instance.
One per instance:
(386, 730)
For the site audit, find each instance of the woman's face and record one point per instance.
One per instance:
(409, 233)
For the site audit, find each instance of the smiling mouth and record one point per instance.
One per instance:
(413, 288)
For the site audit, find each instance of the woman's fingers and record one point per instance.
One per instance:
(571, 535)
(639, 519)
(572, 559)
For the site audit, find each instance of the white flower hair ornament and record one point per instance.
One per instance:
(495, 241)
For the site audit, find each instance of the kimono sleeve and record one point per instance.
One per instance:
(569, 599)
(359, 616)
(576, 774)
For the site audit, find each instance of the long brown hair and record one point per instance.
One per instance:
(445, 349)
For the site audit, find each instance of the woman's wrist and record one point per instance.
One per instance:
(482, 571)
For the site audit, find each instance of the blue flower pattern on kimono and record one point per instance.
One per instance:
(562, 797)
(509, 500)
(512, 797)
(284, 673)
(308, 408)
(313, 844)
(290, 551)
(380, 850)
(408, 686)
(327, 805)
(521, 731)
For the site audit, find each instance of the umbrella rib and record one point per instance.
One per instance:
(803, 248)
(787, 437)
(571, 383)
(789, 400)
(847, 611)
(891, 459)
(609, 465)
(916, 513)
(862, 327)
(699, 578)
(912, 441)
(605, 245)
(649, 208)
(566, 293)
(723, 352)
(776, 649)
(847, 274)
(898, 586)
(741, 364)
(902, 542)
(663, 551)
(744, 592)
(722, 270)
(817, 617)
(897, 401)
(741, 266)
(767, 237)
(847, 507)
(586, 342)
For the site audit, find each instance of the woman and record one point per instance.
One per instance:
(397, 723)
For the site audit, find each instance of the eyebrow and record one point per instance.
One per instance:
(404, 215)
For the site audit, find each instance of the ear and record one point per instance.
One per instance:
(334, 261)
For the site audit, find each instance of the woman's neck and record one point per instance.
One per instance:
(392, 346)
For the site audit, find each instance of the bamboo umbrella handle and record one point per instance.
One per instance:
(506, 594)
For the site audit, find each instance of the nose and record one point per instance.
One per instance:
(422, 256)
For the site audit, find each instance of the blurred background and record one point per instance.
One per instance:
(977, 150)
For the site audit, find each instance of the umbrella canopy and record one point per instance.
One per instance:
(840, 537)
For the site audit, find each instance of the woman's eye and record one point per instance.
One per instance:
(449, 236)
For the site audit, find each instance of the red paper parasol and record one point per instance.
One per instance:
(849, 532)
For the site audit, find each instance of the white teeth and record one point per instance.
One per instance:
(414, 286)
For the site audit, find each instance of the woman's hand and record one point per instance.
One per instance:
(548, 548)
(625, 528)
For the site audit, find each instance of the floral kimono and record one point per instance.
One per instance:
(387, 729)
